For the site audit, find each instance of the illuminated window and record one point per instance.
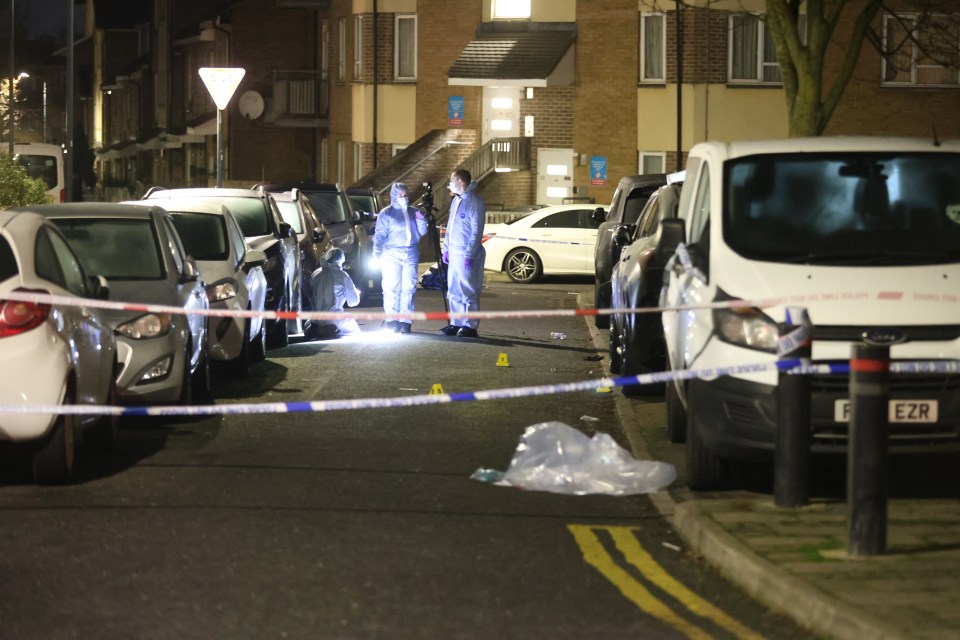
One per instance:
(511, 9)
(501, 103)
(556, 169)
(501, 125)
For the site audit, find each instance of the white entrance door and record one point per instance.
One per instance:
(501, 112)
(554, 175)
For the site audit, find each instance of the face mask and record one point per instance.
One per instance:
(452, 187)
(403, 201)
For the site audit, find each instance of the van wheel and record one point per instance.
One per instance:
(676, 416)
(705, 471)
(601, 300)
(523, 265)
(54, 462)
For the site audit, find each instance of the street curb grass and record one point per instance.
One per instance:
(758, 578)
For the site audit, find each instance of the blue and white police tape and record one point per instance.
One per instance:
(790, 366)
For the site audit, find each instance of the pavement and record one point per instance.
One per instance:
(795, 560)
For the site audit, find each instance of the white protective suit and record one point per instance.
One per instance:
(331, 288)
(396, 244)
(465, 252)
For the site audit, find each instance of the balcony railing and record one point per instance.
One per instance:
(301, 95)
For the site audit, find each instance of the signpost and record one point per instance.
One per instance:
(221, 82)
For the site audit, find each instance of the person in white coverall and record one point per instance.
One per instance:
(396, 244)
(464, 253)
(331, 288)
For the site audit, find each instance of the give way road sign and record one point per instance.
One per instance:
(221, 82)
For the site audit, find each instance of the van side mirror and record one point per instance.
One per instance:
(599, 216)
(673, 231)
(99, 288)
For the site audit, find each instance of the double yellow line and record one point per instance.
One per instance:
(627, 544)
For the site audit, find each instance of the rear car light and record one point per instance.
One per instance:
(18, 317)
(63, 195)
(486, 237)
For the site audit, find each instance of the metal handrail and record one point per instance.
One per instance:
(422, 160)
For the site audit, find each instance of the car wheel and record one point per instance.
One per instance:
(54, 461)
(241, 364)
(200, 379)
(601, 300)
(102, 437)
(705, 471)
(640, 352)
(523, 265)
(614, 347)
(258, 347)
(676, 415)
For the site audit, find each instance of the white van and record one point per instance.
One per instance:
(44, 161)
(864, 233)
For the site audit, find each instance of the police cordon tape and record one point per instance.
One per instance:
(791, 366)
(890, 296)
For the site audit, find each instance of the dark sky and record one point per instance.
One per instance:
(43, 18)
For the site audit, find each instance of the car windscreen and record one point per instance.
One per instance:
(40, 167)
(363, 203)
(329, 206)
(844, 208)
(115, 249)
(250, 214)
(8, 262)
(204, 235)
(290, 214)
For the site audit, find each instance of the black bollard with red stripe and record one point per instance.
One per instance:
(867, 466)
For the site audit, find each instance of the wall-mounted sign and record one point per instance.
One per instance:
(598, 170)
(455, 111)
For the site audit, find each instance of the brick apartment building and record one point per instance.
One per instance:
(548, 100)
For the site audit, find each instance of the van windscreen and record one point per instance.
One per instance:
(844, 208)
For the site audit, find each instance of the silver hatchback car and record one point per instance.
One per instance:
(162, 356)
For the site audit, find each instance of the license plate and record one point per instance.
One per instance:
(900, 411)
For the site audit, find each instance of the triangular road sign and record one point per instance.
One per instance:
(221, 82)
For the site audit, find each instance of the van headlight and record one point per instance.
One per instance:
(746, 327)
(148, 326)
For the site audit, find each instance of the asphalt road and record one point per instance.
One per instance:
(363, 523)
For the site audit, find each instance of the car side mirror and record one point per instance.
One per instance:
(622, 236)
(99, 288)
(286, 230)
(190, 271)
(673, 231)
(599, 215)
(254, 258)
(319, 235)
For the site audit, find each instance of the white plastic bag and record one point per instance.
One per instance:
(555, 457)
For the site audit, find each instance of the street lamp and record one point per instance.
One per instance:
(24, 74)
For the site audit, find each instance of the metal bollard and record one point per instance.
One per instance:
(867, 467)
(791, 456)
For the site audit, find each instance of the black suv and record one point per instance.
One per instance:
(263, 227)
(347, 228)
(628, 201)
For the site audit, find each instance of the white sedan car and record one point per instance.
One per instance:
(61, 354)
(557, 240)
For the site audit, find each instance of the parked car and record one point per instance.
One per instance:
(312, 236)
(162, 356)
(864, 233)
(59, 354)
(553, 240)
(346, 227)
(259, 218)
(233, 273)
(636, 339)
(366, 202)
(628, 201)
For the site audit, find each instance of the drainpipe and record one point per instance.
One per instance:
(679, 89)
(376, 68)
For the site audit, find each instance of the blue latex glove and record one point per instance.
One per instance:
(446, 257)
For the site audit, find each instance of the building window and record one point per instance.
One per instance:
(921, 50)
(325, 47)
(510, 9)
(652, 162)
(341, 162)
(753, 59)
(357, 47)
(342, 49)
(653, 48)
(405, 47)
(324, 164)
(357, 160)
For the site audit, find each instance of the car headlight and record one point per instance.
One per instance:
(148, 326)
(221, 291)
(747, 327)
